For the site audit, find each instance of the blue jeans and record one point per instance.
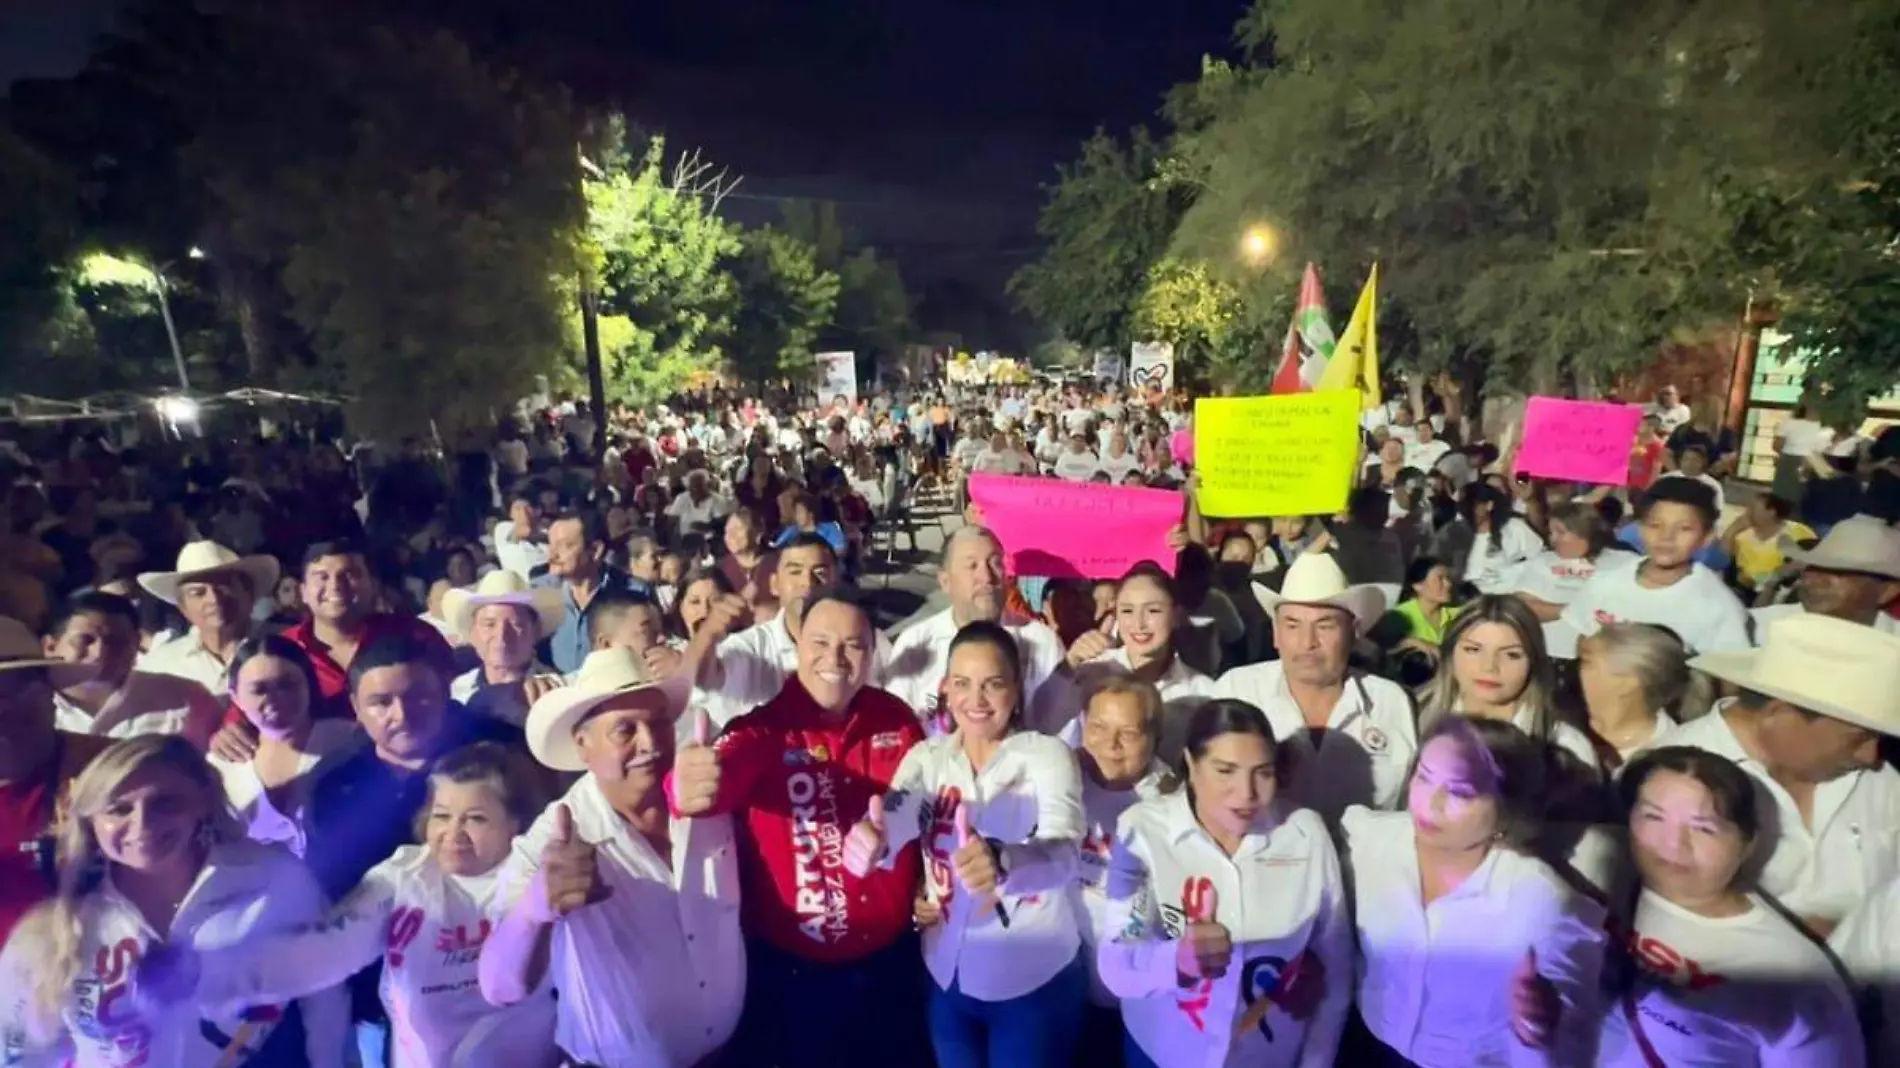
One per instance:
(795, 1010)
(1036, 1030)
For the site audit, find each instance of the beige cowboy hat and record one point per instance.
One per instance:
(20, 648)
(202, 559)
(1829, 666)
(503, 587)
(605, 674)
(1861, 544)
(1315, 579)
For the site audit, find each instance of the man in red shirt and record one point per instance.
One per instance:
(1646, 456)
(824, 946)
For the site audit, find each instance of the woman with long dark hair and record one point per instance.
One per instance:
(1501, 539)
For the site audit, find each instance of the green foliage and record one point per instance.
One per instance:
(659, 252)
(784, 300)
(38, 232)
(1108, 220)
(873, 314)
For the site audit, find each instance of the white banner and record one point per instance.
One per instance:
(1151, 366)
(1108, 366)
(837, 377)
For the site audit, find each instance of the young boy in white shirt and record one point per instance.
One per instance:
(1667, 588)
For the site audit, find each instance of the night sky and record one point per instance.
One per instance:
(933, 123)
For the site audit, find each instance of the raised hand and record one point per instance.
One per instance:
(974, 860)
(1536, 1006)
(535, 687)
(236, 743)
(866, 843)
(1206, 948)
(1089, 645)
(696, 770)
(570, 872)
(662, 661)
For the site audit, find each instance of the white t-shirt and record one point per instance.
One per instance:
(520, 557)
(989, 461)
(1868, 945)
(1102, 809)
(1802, 437)
(1699, 608)
(1118, 467)
(691, 514)
(1671, 417)
(1492, 569)
(1074, 466)
(1557, 580)
(1727, 993)
(1425, 455)
(262, 821)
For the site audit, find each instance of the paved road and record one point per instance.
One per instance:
(906, 590)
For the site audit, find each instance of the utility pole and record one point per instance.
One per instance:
(590, 325)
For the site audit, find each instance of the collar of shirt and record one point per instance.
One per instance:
(1177, 813)
(1286, 715)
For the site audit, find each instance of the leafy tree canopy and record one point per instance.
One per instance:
(873, 313)
(784, 300)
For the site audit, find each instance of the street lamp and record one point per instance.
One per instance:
(1259, 243)
(113, 270)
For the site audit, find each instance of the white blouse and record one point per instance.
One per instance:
(1434, 980)
(1102, 809)
(1280, 896)
(427, 928)
(244, 890)
(1029, 798)
(252, 803)
(1491, 570)
(1736, 992)
(1868, 945)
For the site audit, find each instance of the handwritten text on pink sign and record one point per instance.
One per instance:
(1578, 441)
(1066, 530)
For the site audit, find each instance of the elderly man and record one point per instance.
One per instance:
(578, 568)
(798, 773)
(1348, 736)
(971, 575)
(1853, 574)
(214, 589)
(95, 636)
(699, 508)
(622, 903)
(501, 619)
(1814, 703)
(750, 667)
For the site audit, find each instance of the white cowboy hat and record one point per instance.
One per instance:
(1825, 665)
(605, 674)
(1862, 543)
(503, 587)
(20, 649)
(201, 559)
(1315, 579)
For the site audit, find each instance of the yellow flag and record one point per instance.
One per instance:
(1355, 362)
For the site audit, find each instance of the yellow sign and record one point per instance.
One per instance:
(1260, 457)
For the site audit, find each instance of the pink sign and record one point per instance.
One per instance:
(1181, 444)
(1066, 530)
(1578, 441)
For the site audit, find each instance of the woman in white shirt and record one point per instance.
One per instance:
(1227, 935)
(1502, 542)
(1472, 952)
(1634, 676)
(998, 808)
(1147, 612)
(1493, 665)
(1711, 974)
(150, 854)
(273, 684)
(1121, 726)
(1580, 542)
(424, 913)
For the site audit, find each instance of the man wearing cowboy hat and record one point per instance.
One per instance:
(608, 867)
(214, 589)
(1814, 702)
(38, 762)
(1853, 574)
(502, 619)
(1350, 736)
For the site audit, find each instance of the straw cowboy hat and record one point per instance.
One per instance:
(605, 674)
(1315, 579)
(503, 587)
(202, 559)
(1825, 665)
(20, 648)
(1862, 544)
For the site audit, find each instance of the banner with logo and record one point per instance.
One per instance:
(1108, 366)
(837, 376)
(1151, 366)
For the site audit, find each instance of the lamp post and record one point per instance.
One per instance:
(171, 329)
(113, 269)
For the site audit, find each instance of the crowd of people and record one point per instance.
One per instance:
(535, 754)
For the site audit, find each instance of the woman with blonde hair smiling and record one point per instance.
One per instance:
(151, 854)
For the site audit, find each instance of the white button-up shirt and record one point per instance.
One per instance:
(1182, 689)
(427, 929)
(654, 976)
(148, 703)
(244, 890)
(920, 656)
(1029, 798)
(1280, 896)
(186, 657)
(1435, 980)
(1868, 944)
(262, 820)
(1826, 868)
(757, 661)
(1102, 810)
(1367, 751)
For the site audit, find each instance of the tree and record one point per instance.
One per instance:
(660, 250)
(1107, 220)
(873, 315)
(783, 299)
(38, 236)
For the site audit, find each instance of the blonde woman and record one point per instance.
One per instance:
(1493, 665)
(1634, 676)
(151, 854)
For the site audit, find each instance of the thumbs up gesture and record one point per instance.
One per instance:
(974, 860)
(696, 770)
(866, 843)
(570, 872)
(1205, 948)
(1535, 1004)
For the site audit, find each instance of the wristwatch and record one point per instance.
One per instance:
(999, 857)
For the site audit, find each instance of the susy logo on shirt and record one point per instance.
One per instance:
(1197, 906)
(404, 925)
(817, 854)
(456, 944)
(1662, 960)
(940, 829)
(103, 1011)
